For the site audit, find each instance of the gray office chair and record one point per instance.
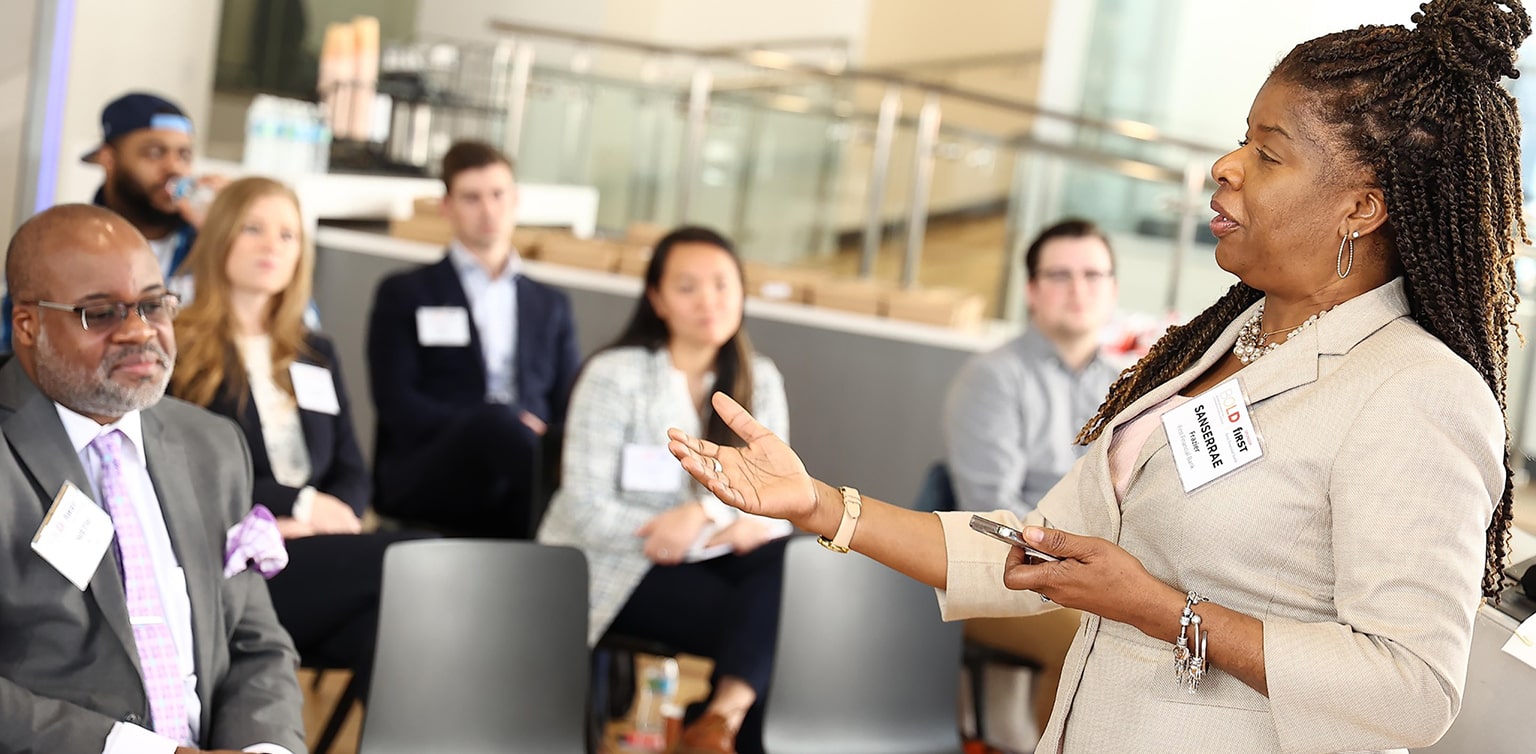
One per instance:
(482, 648)
(864, 665)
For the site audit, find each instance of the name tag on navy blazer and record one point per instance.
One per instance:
(314, 388)
(442, 326)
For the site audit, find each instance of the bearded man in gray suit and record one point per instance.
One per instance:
(165, 646)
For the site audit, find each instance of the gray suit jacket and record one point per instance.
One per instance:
(68, 668)
(1358, 540)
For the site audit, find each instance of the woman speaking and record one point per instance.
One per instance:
(1292, 506)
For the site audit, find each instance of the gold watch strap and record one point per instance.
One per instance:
(853, 506)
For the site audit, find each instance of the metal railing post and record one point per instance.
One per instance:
(922, 182)
(879, 168)
(1184, 240)
(517, 98)
(693, 146)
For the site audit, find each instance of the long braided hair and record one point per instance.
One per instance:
(1423, 109)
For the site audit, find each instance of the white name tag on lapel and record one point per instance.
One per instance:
(1212, 435)
(74, 536)
(314, 388)
(650, 468)
(442, 326)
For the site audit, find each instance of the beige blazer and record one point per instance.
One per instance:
(1358, 539)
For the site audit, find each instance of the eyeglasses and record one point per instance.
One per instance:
(1063, 277)
(156, 310)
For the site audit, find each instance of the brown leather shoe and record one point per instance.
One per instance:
(710, 734)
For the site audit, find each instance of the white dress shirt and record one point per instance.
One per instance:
(493, 304)
(282, 431)
(127, 738)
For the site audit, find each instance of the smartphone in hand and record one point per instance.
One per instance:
(1010, 535)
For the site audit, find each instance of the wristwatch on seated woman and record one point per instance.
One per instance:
(853, 505)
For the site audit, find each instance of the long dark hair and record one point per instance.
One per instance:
(1423, 109)
(733, 363)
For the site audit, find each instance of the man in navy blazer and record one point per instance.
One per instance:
(471, 365)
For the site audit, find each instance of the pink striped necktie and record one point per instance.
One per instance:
(151, 633)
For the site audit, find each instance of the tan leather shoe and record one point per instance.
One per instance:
(710, 734)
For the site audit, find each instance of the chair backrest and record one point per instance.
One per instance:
(482, 648)
(938, 490)
(864, 664)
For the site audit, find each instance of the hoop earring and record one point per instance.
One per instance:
(1338, 264)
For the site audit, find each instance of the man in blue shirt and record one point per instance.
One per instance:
(1012, 414)
(146, 150)
(471, 365)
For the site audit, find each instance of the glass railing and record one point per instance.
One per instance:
(893, 174)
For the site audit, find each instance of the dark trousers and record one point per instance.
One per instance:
(477, 477)
(328, 598)
(726, 609)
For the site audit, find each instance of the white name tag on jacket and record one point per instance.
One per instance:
(74, 535)
(314, 388)
(1212, 435)
(650, 468)
(442, 325)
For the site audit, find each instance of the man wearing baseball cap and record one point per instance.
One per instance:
(145, 151)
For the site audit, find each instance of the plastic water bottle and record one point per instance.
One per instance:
(187, 187)
(261, 128)
(285, 137)
(289, 134)
(657, 715)
(321, 161)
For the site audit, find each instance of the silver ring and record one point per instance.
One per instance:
(718, 467)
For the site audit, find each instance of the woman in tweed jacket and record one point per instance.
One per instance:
(668, 561)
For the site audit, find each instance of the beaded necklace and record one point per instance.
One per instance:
(1250, 343)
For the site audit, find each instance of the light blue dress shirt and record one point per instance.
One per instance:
(493, 304)
(1010, 419)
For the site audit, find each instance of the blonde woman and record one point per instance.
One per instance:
(247, 354)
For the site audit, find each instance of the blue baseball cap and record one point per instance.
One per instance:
(136, 111)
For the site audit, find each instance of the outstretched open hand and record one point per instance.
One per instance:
(765, 477)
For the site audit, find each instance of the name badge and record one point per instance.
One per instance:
(650, 468)
(1212, 435)
(442, 326)
(314, 388)
(74, 535)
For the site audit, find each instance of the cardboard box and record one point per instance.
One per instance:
(634, 258)
(427, 205)
(575, 252)
(945, 307)
(528, 240)
(432, 229)
(852, 295)
(772, 283)
(645, 234)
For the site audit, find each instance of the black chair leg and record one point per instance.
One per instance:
(349, 697)
(597, 705)
(978, 673)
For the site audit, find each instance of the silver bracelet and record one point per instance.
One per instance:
(1189, 664)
